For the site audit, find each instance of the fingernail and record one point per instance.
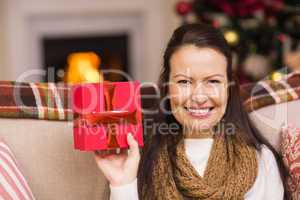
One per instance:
(129, 135)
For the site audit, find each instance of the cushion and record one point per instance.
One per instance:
(35, 100)
(269, 120)
(54, 170)
(13, 184)
(269, 92)
(290, 149)
(271, 104)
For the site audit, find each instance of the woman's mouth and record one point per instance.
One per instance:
(199, 112)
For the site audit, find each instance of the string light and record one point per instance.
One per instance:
(231, 37)
(276, 76)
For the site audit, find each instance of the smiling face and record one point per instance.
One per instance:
(198, 88)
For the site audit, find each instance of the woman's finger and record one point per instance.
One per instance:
(133, 146)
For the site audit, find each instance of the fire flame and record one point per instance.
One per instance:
(83, 67)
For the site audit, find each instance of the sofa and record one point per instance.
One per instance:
(54, 170)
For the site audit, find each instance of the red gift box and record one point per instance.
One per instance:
(104, 113)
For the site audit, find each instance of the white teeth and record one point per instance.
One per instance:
(199, 111)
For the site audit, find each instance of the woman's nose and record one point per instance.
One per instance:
(199, 94)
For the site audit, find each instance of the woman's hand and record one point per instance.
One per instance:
(120, 169)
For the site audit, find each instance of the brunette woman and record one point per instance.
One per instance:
(216, 152)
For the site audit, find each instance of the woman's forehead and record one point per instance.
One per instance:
(192, 61)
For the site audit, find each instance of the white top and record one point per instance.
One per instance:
(268, 184)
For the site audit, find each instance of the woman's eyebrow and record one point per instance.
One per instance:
(210, 76)
(176, 75)
(213, 75)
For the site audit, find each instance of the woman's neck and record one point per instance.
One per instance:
(198, 134)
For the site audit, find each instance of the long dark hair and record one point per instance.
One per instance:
(200, 35)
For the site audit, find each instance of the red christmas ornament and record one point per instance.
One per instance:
(215, 24)
(282, 38)
(183, 8)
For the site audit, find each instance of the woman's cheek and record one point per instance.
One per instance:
(179, 94)
(174, 100)
(220, 98)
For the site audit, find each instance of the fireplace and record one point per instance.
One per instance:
(113, 52)
(28, 27)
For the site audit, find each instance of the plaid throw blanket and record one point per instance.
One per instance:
(268, 92)
(47, 101)
(51, 101)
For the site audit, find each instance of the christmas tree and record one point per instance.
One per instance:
(261, 33)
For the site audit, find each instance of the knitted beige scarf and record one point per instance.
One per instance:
(231, 171)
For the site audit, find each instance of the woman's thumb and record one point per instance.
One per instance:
(133, 145)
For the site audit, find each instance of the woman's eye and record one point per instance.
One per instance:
(184, 82)
(213, 81)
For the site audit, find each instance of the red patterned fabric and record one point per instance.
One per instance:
(46, 101)
(13, 185)
(268, 92)
(290, 149)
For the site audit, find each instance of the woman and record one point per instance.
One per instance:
(217, 153)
